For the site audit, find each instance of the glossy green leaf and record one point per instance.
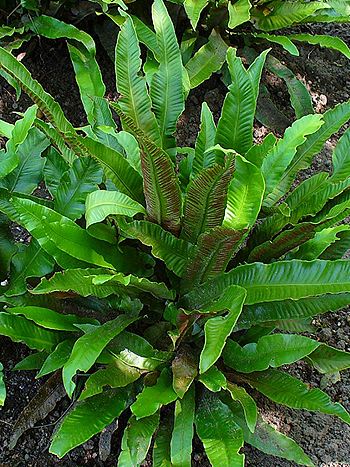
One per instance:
(135, 101)
(330, 42)
(268, 440)
(218, 329)
(139, 434)
(194, 9)
(88, 347)
(327, 359)
(57, 358)
(205, 140)
(244, 196)
(101, 204)
(20, 329)
(239, 12)
(221, 436)
(238, 393)
(161, 446)
(287, 390)
(87, 418)
(275, 282)
(283, 14)
(165, 246)
(181, 439)
(28, 173)
(291, 309)
(299, 95)
(284, 41)
(83, 177)
(269, 351)
(152, 398)
(277, 161)
(2, 386)
(166, 87)
(29, 261)
(32, 362)
(50, 319)
(213, 379)
(333, 119)
(235, 127)
(207, 60)
(114, 375)
(116, 167)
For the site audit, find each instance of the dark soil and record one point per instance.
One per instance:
(325, 439)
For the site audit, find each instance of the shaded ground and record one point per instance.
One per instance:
(324, 438)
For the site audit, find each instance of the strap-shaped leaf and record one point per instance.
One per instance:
(333, 120)
(287, 390)
(238, 12)
(58, 141)
(74, 186)
(134, 101)
(275, 282)
(88, 347)
(341, 159)
(161, 446)
(327, 359)
(44, 101)
(87, 418)
(165, 246)
(235, 127)
(238, 393)
(137, 352)
(284, 242)
(29, 261)
(2, 386)
(213, 379)
(57, 358)
(218, 329)
(211, 256)
(20, 329)
(330, 42)
(207, 60)
(194, 9)
(268, 440)
(244, 196)
(161, 188)
(206, 201)
(116, 167)
(100, 283)
(115, 375)
(299, 95)
(291, 309)
(166, 90)
(221, 436)
(283, 14)
(205, 140)
(137, 439)
(284, 41)
(152, 398)
(181, 439)
(50, 319)
(269, 351)
(277, 161)
(29, 171)
(101, 204)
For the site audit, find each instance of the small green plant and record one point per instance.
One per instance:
(202, 270)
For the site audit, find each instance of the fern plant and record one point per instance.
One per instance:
(197, 275)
